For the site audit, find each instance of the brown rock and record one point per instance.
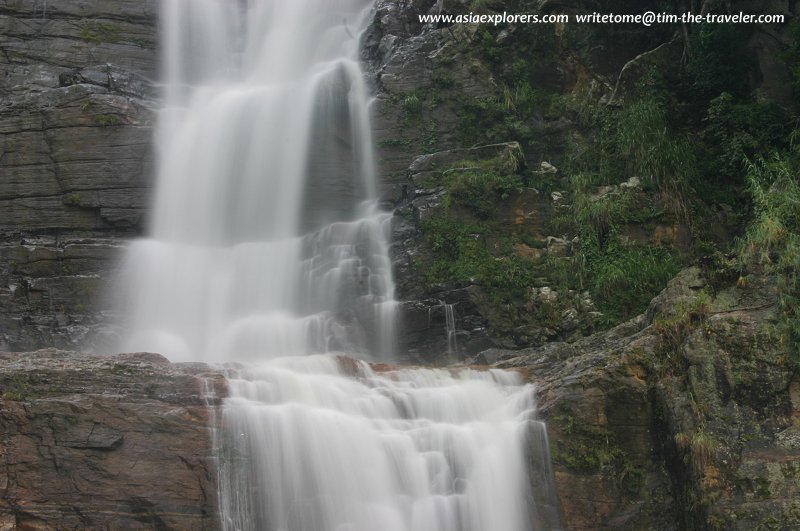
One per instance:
(678, 419)
(105, 442)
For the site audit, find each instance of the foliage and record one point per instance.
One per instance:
(460, 255)
(508, 115)
(622, 279)
(72, 199)
(684, 131)
(772, 241)
(412, 104)
(734, 130)
(100, 32)
(699, 448)
(105, 120)
(650, 149)
(599, 215)
(479, 189)
(673, 329)
(620, 275)
(635, 140)
(719, 62)
(477, 117)
(442, 78)
(479, 185)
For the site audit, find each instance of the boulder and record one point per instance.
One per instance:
(121, 442)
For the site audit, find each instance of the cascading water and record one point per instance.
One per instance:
(267, 249)
(265, 111)
(328, 444)
(450, 327)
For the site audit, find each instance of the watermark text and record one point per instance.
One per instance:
(648, 18)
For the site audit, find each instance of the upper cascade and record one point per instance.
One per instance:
(265, 239)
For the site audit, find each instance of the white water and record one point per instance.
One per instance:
(450, 328)
(254, 251)
(407, 450)
(266, 249)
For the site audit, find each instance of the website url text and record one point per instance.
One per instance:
(648, 18)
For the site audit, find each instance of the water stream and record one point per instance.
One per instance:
(266, 251)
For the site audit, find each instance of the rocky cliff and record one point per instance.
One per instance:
(106, 443)
(529, 217)
(686, 417)
(549, 180)
(75, 157)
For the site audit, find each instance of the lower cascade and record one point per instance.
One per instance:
(325, 443)
(266, 252)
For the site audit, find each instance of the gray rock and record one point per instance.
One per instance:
(76, 158)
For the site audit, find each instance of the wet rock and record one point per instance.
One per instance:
(409, 63)
(76, 160)
(106, 442)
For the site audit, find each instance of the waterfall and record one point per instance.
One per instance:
(267, 252)
(450, 327)
(338, 446)
(265, 238)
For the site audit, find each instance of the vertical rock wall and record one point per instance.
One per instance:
(75, 159)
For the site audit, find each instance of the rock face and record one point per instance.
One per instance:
(429, 213)
(76, 159)
(411, 65)
(106, 443)
(683, 418)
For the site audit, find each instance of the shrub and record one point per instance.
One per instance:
(623, 279)
(772, 241)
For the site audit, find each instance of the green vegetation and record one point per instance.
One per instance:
(19, 387)
(105, 120)
(685, 129)
(699, 448)
(675, 328)
(412, 104)
(458, 235)
(592, 449)
(479, 185)
(635, 140)
(772, 242)
(623, 279)
(460, 255)
(420, 132)
(12, 396)
(72, 199)
(442, 78)
(714, 159)
(99, 32)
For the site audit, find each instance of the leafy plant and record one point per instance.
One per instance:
(412, 104)
(623, 279)
(442, 78)
(772, 241)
